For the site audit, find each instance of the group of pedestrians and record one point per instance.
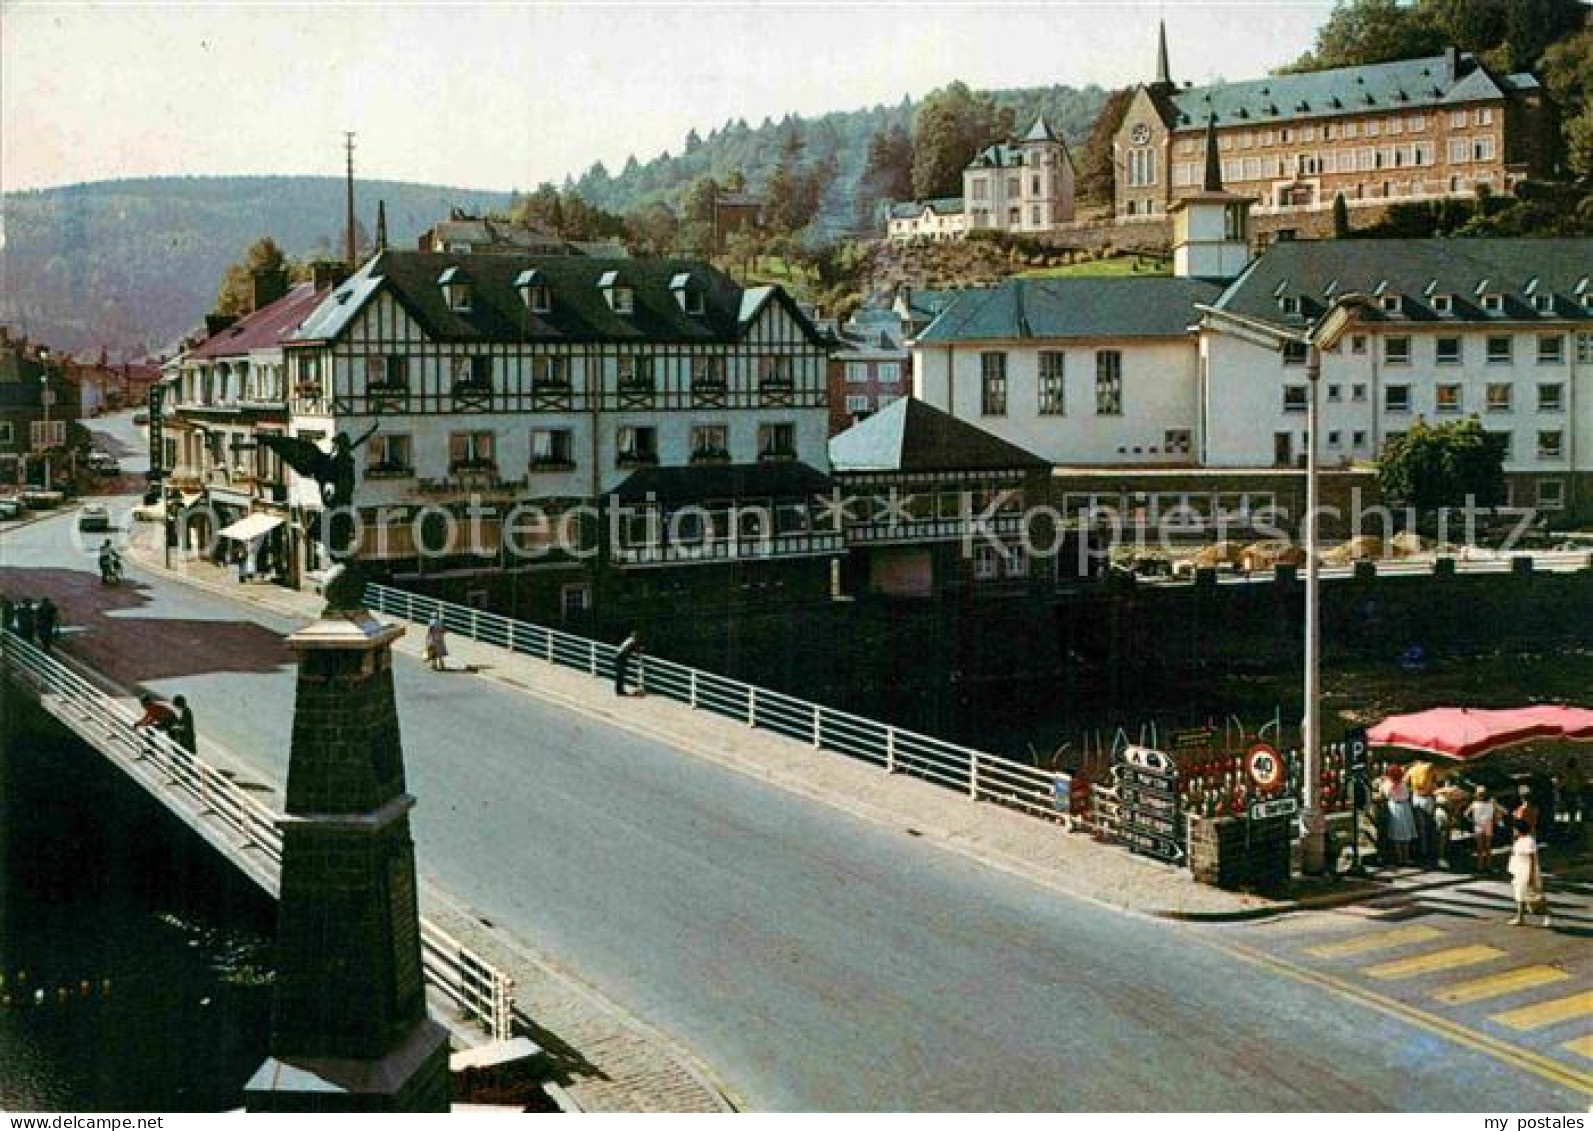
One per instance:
(1410, 818)
(37, 622)
(628, 652)
(175, 720)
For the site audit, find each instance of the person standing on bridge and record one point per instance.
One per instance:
(157, 715)
(49, 623)
(437, 644)
(182, 731)
(629, 648)
(26, 618)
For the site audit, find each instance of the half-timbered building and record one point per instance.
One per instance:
(537, 390)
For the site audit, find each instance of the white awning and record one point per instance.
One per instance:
(250, 527)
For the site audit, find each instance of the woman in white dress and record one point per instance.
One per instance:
(1526, 880)
(1401, 816)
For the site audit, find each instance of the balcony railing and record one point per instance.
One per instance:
(546, 464)
(636, 459)
(873, 532)
(389, 471)
(807, 544)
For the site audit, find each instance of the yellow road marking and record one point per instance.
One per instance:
(1419, 964)
(1548, 1012)
(1496, 985)
(1378, 940)
(1556, 1072)
(1582, 1046)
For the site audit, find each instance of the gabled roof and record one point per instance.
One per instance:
(704, 482)
(1041, 131)
(578, 310)
(1435, 80)
(912, 209)
(1153, 307)
(266, 328)
(928, 303)
(1315, 271)
(908, 435)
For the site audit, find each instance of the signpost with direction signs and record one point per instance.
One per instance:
(1357, 752)
(1141, 808)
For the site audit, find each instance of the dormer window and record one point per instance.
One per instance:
(1543, 303)
(1289, 304)
(1444, 304)
(1493, 302)
(534, 291)
(616, 292)
(688, 295)
(456, 290)
(1393, 304)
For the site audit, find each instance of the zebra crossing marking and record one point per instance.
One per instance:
(1547, 1012)
(1377, 940)
(1497, 985)
(1417, 965)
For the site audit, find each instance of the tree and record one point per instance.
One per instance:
(1341, 217)
(1579, 142)
(653, 228)
(951, 126)
(236, 296)
(1097, 173)
(1454, 464)
(1370, 31)
(887, 174)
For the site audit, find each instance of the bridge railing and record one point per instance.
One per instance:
(475, 987)
(978, 775)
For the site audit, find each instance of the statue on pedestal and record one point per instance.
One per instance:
(333, 472)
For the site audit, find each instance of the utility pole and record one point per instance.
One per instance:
(348, 151)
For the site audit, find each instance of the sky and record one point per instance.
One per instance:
(506, 95)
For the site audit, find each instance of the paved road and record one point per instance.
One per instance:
(815, 960)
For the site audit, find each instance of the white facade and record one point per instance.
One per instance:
(1536, 390)
(1141, 409)
(935, 220)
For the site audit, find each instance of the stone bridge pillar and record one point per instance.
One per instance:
(349, 1027)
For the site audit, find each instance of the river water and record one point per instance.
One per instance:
(152, 954)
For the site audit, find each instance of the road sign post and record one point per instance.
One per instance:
(1356, 754)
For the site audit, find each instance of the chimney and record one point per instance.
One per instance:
(216, 323)
(326, 273)
(269, 285)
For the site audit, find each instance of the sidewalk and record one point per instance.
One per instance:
(1073, 864)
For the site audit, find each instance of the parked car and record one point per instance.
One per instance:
(94, 518)
(103, 463)
(41, 500)
(10, 508)
(141, 417)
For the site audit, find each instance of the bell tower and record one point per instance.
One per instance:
(1211, 228)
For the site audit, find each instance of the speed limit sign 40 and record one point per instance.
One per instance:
(1265, 768)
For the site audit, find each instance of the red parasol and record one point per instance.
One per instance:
(1461, 732)
(1575, 723)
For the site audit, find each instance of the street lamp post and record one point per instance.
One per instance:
(44, 401)
(1323, 336)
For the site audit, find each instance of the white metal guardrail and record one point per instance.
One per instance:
(477, 988)
(978, 775)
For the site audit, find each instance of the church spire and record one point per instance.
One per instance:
(1164, 75)
(1213, 181)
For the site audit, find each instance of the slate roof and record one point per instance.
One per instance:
(1417, 270)
(1156, 307)
(908, 435)
(264, 328)
(928, 304)
(699, 483)
(1404, 84)
(912, 209)
(1001, 155)
(1041, 131)
(580, 312)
